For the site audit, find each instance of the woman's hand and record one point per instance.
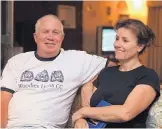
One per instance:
(81, 123)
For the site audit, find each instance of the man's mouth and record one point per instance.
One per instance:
(50, 44)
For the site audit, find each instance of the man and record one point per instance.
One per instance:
(38, 88)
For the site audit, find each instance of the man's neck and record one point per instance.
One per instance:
(47, 55)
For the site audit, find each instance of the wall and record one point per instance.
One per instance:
(19, 18)
(95, 14)
(32, 10)
(155, 3)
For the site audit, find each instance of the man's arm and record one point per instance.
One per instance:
(5, 99)
(111, 63)
(88, 89)
(8, 87)
(86, 92)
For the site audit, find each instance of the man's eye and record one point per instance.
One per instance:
(46, 31)
(56, 32)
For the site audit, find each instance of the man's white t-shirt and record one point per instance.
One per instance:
(43, 91)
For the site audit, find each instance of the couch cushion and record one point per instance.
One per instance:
(154, 119)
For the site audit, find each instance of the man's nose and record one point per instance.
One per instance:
(51, 36)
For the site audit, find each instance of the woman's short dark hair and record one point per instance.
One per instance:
(144, 34)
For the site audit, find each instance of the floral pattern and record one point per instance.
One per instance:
(155, 115)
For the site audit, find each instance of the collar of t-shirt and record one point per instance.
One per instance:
(45, 59)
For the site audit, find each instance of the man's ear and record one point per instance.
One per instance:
(35, 37)
(63, 37)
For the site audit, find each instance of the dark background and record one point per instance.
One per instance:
(26, 13)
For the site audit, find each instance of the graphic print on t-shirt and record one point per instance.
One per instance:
(42, 80)
(27, 76)
(43, 76)
(57, 76)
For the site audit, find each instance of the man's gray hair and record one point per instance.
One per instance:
(52, 16)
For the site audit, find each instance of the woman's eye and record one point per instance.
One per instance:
(126, 41)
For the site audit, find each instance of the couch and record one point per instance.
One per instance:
(154, 119)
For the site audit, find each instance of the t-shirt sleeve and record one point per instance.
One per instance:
(92, 66)
(96, 82)
(8, 79)
(152, 79)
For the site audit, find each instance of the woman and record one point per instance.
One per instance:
(131, 87)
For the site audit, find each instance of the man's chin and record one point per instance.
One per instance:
(52, 52)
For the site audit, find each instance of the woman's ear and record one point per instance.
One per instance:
(140, 48)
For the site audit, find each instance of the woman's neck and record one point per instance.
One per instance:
(129, 65)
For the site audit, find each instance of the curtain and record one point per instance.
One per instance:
(155, 51)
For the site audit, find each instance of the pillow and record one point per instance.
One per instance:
(154, 119)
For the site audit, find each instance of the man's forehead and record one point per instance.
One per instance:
(50, 20)
(50, 29)
(50, 24)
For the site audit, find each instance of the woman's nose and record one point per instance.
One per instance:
(117, 43)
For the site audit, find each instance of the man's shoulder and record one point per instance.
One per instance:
(17, 61)
(75, 52)
(22, 56)
(80, 53)
(82, 57)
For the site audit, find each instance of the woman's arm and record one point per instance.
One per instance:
(86, 92)
(137, 101)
